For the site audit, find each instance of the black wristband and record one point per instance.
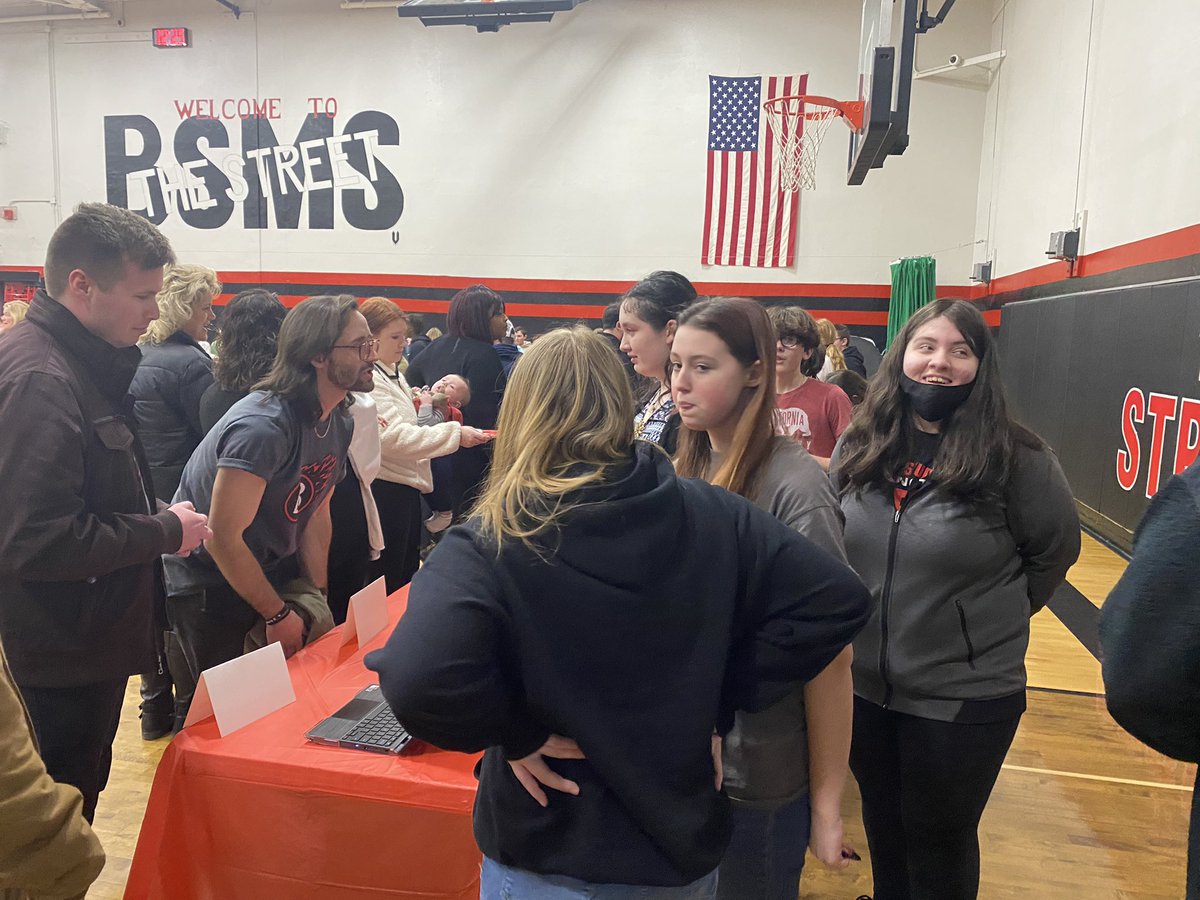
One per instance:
(279, 616)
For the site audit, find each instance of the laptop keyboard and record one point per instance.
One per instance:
(380, 729)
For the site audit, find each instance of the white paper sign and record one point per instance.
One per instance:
(242, 690)
(368, 613)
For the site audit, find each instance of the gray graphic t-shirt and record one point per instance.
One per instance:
(300, 463)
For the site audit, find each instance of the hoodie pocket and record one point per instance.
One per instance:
(962, 621)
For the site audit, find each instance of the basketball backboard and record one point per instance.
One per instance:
(885, 68)
(483, 15)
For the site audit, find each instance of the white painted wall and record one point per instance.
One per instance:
(569, 150)
(1094, 109)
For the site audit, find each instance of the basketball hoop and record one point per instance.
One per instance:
(798, 125)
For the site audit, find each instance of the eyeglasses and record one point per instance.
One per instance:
(366, 349)
(789, 341)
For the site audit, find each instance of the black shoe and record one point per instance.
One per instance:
(156, 724)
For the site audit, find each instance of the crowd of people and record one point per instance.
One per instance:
(704, 568)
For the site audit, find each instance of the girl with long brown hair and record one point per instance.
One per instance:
(785, 766)
(961, 523)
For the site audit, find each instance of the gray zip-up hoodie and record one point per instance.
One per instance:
(954, 585)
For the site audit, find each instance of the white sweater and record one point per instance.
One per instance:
(364, 460)
(406, 446)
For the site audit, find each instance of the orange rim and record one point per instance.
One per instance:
(850, 110)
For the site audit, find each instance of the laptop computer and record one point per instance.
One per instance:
(365, 723)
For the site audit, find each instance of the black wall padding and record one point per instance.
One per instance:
(1068, 363)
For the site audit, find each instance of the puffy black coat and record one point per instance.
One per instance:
(166, 389)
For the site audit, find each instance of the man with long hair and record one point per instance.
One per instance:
(265, 475)
(82, 534)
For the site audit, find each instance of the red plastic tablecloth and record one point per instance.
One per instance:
(262, 813)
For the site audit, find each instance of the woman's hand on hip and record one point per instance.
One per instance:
(533, 773)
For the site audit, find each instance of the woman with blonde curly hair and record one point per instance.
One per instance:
(173, 375)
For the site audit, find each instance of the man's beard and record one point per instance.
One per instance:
(353, 378)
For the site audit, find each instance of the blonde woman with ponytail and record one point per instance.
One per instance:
(835, 361)
(593, 626)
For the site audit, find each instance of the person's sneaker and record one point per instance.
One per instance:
(439, 521)
(156, 724)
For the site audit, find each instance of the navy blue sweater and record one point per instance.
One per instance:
(1150, 632)
(666, 605)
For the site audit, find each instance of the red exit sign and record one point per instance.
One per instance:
(172, 37)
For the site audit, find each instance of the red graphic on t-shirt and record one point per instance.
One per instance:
(793, 422)
(314, 478)
(915, 474)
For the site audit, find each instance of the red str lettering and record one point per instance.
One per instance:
(1162, 409)
(1129, 459)
(184, 109)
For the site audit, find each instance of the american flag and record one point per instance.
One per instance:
(749, 219)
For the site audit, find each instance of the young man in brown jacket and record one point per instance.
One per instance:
(82, 536)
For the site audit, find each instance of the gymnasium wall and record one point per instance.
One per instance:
(555, 158)
(1087, 124)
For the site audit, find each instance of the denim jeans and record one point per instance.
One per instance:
(766, 853)
(499, 882)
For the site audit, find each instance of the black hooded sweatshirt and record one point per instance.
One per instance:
(665, 605)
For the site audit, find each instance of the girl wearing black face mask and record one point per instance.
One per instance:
(961, 523)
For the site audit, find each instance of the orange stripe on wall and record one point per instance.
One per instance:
(553, 285)
(1159, 248)
(579, 311)
(1162, 247)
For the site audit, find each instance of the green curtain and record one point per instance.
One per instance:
(914, 283)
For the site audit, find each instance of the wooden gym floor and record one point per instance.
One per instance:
(1081, 809)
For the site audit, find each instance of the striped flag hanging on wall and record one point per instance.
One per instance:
(749, 220)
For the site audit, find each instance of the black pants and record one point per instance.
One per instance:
(350, 546)
(441, 498)
(210, 626)
(471, 466)
(400, 515)
(158, 694)
(924, 786)
(75, 728)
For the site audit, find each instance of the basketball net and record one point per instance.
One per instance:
(797, 129)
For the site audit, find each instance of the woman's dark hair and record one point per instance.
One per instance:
(852, 384)
(309, 330)
(659, 298)
(979, 439)
(743, 326)
(249, 335)
(471, 313)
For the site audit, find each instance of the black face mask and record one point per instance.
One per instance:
(934, 402)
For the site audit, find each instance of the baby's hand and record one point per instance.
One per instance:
(424, 397)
